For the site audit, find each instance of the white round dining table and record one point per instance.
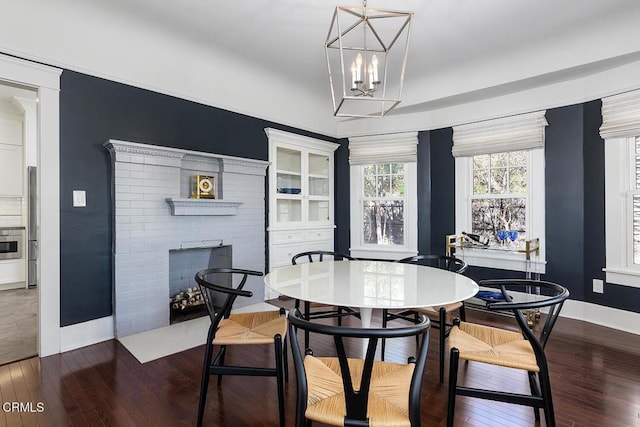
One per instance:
(370, 284)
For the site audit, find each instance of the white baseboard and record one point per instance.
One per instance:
(86, 333)
(622, 320)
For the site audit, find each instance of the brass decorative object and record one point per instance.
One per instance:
(203, 187)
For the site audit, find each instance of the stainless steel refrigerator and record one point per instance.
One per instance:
(32, 229)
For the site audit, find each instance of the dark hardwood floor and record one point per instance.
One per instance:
(595, 380)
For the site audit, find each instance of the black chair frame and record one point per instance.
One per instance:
(357, 401)
(539, 383)
(329, 313)
(444, 262)
(215, 365)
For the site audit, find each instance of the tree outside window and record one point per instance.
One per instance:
(499, 199)
(384, 204)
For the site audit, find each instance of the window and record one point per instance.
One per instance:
(622, 210)
(499, 197)
(621, 131)
(383, 201)
(500, 187)
(383, 196)
(635, 193)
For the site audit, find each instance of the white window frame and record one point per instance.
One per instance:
(619, 188)
(535, 222)
(361, 250)
(620, 126)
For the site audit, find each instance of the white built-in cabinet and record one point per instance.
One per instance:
(11, 164)
(300, 195)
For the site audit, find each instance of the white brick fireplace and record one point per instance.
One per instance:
(151, 186)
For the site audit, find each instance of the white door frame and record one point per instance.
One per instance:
(46, 80)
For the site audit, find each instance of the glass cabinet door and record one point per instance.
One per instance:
(289, 168)
(289, 171)
(318, 175)
(318, 187)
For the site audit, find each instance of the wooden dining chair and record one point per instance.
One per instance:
(517, 350)
(340, 390)
(438, 315)
(227, 330)
(322, 311)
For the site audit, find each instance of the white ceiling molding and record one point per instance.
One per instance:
(399, 147)
(621, 115)
(515, 133)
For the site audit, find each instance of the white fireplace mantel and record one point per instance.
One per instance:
(202, 207)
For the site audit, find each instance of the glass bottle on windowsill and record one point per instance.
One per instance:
(476, 238)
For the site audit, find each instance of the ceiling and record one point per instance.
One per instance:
(461, 51)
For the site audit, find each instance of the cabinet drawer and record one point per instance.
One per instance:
(318, 235)
(281, 255)
(12, 271)
(278, 237)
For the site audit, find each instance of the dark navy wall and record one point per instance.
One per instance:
(342, 241)
(424, 192)
(443, 180)
(594, 221)
(564, 189)
(94, 110)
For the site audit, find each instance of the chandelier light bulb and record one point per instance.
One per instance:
(370, 76)
(374, 62)
(354, 84)
(359, 68)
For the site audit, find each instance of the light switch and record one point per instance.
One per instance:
(79, 198)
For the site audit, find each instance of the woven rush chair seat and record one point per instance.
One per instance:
(495, 346)
(251, 328)
(342, 390)
(435, 311)
(388, 395)
(522, 350)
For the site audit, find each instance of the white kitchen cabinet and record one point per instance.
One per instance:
(13, 271)
(11, 164)
(300, 195)
(11, 170)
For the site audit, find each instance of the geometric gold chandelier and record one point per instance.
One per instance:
(366, 57)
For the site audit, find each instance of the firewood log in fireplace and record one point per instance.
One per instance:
(184, 300)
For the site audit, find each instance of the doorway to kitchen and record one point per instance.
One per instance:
(18, 223)
(45, 81)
